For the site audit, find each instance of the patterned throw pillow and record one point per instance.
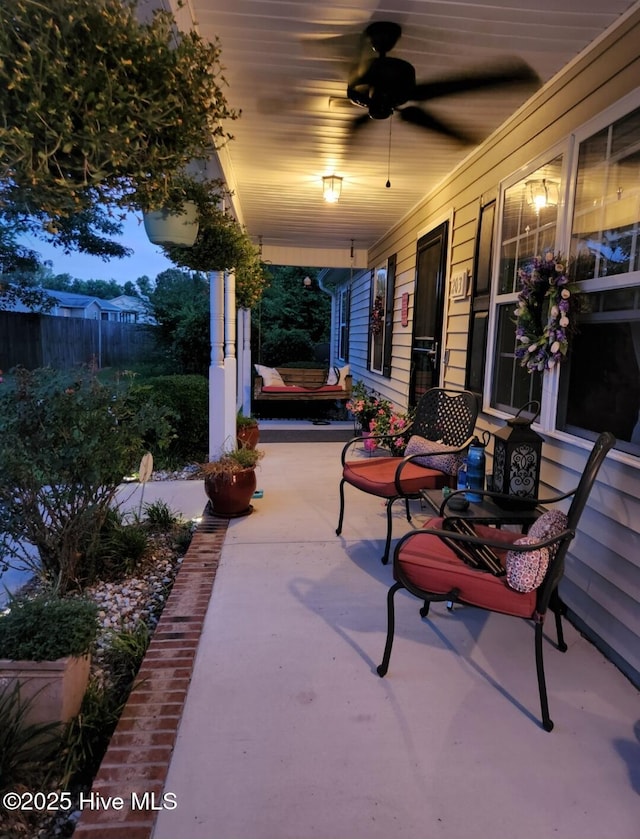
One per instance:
(270, 376)
(547, 526)
(443, 462)
(526, 569)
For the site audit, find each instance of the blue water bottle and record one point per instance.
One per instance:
(462, 476)
(475, 470)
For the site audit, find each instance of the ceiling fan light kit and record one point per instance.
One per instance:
(331, 188)
(387, 85)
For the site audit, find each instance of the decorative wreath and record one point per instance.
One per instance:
(377, 315)
(548, 304)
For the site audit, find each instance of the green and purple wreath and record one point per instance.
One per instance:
(546, 316)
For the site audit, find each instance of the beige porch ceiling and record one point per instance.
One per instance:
(287, 63)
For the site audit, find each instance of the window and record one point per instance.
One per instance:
(606, 217)
(600, 384)
(529, 227)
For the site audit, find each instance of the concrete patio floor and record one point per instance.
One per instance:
(289, 733)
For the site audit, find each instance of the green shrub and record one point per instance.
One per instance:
(66, 440)
(47, 627)
(120, 549)
(187, 398)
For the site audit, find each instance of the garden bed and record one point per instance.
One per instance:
(128, 613)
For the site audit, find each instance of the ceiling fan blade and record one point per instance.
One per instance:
(417, 116)
(514, 72)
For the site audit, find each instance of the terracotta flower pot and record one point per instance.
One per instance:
(248, 436)
(55, 688)
(230, 495)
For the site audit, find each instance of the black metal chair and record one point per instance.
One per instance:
(429, 564)
(445, 418)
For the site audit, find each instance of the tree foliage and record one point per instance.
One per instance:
(180, 305)
(293, 317)
(101, 104)
(66, 441)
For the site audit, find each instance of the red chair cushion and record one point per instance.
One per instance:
(428, 564)
(376, 475)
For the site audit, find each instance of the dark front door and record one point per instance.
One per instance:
(428, 312)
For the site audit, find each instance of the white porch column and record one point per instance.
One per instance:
(245, 383)
(216, 369)
(230, 361)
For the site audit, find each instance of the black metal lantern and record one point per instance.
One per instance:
(517, 453)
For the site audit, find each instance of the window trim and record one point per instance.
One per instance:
(564, 148)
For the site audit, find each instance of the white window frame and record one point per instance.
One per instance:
(546, 419)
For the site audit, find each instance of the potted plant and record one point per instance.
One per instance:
(172, 227)
(230, 481)
(247, 431)
(102, 104)
(45, 648)
(221, 243)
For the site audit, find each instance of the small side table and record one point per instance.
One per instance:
(483, 512)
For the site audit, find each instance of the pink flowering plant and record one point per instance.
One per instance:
(546, 315)
(377, 415)
(391, 425)
(365, 404)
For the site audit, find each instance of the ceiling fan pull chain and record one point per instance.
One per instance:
(388, 183)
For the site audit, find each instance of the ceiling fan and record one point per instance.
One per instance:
(388, 85)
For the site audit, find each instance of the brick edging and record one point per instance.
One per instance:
(136, 763)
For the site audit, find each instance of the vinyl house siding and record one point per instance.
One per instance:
(602, 583)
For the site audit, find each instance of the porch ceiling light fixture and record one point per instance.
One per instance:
(331, 188)
(541, 193)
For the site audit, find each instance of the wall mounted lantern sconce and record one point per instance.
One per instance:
(331, 188)
(307, 283)
(542, 193)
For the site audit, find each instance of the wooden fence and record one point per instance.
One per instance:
(34, 340)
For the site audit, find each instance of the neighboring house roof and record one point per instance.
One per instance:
(81, 303)
(70, 300)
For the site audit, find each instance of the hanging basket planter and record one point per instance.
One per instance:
(168, 227)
